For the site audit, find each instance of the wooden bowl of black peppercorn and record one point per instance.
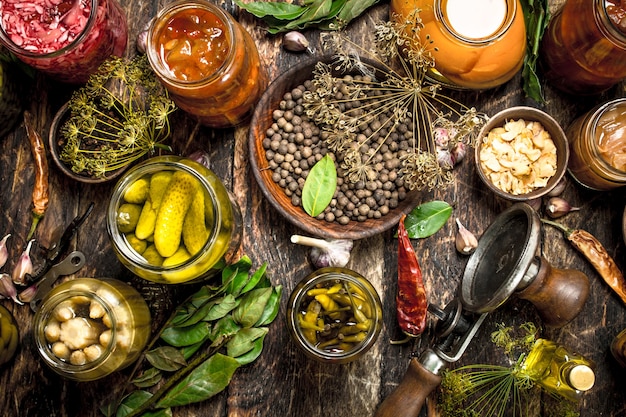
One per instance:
(334, 223)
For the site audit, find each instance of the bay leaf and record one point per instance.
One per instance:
(426, 219)
(255, 279)
(205, 381)
(278, 10)
(225, 327)
(354, 8)
(222, 308)
(166, 358)
(319, 186)
(251, 307)
(243, 341)
(131, 402)
(149, 378)
(253, 353)
(185, 336)
(271, 308)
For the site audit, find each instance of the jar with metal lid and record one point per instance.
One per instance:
(87, 328)
(207, 61)
(171, 220)
(598, 147)
(334, 315)
(583, 51)
(476, 44)
(68, 49)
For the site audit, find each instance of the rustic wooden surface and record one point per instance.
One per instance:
(283, 382)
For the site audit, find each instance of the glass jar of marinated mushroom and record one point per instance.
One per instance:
(476, 44)
(171, 220)
(66, 39)
(207, 61)
(334, 315)
(598, 147)
(87, 328)
(584, 48)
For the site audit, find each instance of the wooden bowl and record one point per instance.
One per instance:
(558, 137)
(260, 122)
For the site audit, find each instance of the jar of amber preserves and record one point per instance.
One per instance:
(584, 48)
(207, 61)
(476, 44)
(598, 147)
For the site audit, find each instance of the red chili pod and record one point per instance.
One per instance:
(411, 301)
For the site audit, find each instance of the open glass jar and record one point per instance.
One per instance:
(69, 49)
(334, 315)
(207, 61)
(171, 221)
(87, 328)
(476, 44)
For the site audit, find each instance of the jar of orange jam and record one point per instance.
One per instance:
(584, 48)
(476, 44)
(598, 146)
(207, 61)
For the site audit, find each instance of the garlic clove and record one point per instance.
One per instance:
(444, 158)
(557, 207)
(295, 41)
(28, 294)
(4, 252)
(458, 152)
(7, 288)
(558, 188)
(466, 242)
(24, 266)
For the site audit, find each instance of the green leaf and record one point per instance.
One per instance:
(166, 358)
(243, 341)
(149, 378)
(277, 10)
(221, 308)
(536, 18)
(426, 219)
(255, 279)
(205, 381)
(354, 8)
(133, 401)
(185, 336)
(319, 186)
(251, 307)
(252, 354)
(225, 327)
(271, 308)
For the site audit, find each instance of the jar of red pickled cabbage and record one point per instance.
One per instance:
(207, 61)
(584, 48)
(598, 147)
(65, 39)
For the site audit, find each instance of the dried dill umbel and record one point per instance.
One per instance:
(393, 89)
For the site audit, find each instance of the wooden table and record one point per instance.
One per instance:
(283, 382)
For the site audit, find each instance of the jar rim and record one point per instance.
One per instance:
(606, 25)
(91, 21)
(173, 9)
(511, 10)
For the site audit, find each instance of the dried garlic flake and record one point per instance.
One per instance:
(518, 157)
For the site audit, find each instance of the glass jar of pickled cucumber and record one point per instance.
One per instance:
(476, 44)
(207, 61)
(171, 221)
(334, 315)
(87, 328)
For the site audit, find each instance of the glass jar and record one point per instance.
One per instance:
(334, 315)
(207, 61)
(618, 348)
(9, 335)
(171, 220)
(582, 51)
(598, 147)
(87, 328)
(476, 44)
(68, 49)
(559, 371)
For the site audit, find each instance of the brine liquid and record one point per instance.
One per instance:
(611, 136)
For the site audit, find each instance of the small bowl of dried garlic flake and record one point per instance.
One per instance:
(522, 153)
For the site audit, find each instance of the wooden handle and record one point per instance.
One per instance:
(558, 294)
(409, 397)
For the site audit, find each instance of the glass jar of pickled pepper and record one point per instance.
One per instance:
(584, 48)
(87, 328)
(67, 39)
(598, 147)
(476, 44)
(207, 61)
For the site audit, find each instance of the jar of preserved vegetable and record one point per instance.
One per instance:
(584, 48)
(171, 221)
(618, 348)
(67, 40)
(598, 146)
(207, 61)
(87, 328)
(334, 315)
(9, 335)
(476, 44)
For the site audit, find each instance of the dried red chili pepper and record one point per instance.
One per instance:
(597, 255)
(40, 189)
(411, 301)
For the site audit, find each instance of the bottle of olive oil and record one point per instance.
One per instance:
(558, 370)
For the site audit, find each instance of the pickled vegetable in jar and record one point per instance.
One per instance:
(597, 142)
(68, 39)
(583, 49)
(476, 44)
(618, 348)
(87, 328)
(207, 61)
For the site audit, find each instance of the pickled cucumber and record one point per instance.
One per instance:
(172, 211)
(152, 256)
(147, 220)
(127, 217)
(137, 192)
(195, 233)
(138, 245)
(9, 336)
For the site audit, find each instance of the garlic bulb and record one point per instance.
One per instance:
(334, 252)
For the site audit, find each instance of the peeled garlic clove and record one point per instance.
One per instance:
(4, 252)
(558, 207)
(465, 242)
(24, 266)
(295, 41)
